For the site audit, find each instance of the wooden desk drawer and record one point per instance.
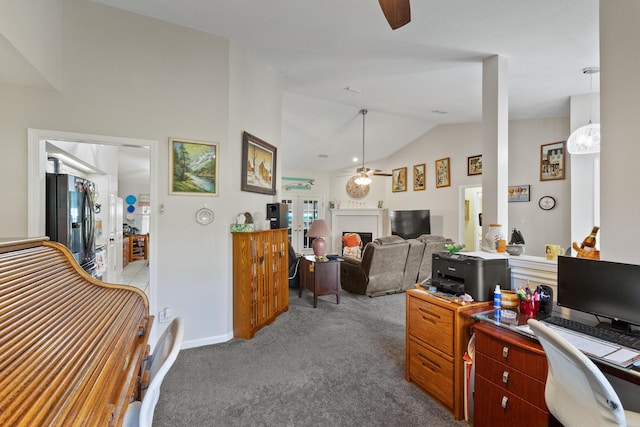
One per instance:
(518, 358)
(501, 408)
(432, 372)
(431, 324)
(509, 379)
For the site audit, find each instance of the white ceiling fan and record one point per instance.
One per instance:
(363, 174)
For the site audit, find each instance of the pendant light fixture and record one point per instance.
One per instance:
(363, 177)
(586, 139)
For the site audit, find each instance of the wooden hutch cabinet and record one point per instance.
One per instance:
(437, 337)
(260, 279)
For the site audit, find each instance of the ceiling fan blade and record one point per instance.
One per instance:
(397, 12)
(381, 174)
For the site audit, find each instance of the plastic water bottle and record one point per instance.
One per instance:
(497, 298)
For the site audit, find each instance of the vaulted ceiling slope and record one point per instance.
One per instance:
(425, 73)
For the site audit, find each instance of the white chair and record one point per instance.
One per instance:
(140, 413)
(577, 393)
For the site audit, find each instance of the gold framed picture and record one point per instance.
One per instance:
(193, 167)
(552, 161)
(258, 165)
(419, 177)
(443, 173)
(399, 179)
(474, 165)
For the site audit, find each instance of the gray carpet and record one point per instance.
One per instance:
(336, 365)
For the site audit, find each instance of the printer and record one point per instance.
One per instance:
(457, 273)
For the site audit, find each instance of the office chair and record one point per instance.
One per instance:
(140, 413)
(577, 393)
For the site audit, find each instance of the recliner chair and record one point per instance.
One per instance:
(432, 244)
(380, 271)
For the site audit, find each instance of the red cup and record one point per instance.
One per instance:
(529, 307)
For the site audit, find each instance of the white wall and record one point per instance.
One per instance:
(620, 151)
(460, 141)
(131, 76)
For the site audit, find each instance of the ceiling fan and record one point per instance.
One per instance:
(363, 174)
(397, 12)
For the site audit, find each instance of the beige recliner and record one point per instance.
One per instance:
(412, 267)
(380, 270)
(432, 244)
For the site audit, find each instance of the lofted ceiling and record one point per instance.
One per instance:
(427, 73)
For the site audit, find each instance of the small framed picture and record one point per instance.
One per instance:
(258, 165)
(519, 193)
(474, 165)
(552, 161)
(443, 173)
(399, 179)
(193, 167)
(419, 177)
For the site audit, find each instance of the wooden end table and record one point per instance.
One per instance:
(322, 277)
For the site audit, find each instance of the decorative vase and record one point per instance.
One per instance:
(490, 242)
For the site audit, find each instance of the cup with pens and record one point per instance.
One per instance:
(529, 301)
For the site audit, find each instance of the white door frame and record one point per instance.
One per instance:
(36, 175)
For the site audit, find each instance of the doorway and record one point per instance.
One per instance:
(303, 210)
(37, 168)
(470, 224)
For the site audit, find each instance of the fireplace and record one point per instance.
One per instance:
(365, 237)
(357, 221)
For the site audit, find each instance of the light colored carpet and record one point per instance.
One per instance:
(337, 365)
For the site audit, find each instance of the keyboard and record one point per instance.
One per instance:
(604, 334)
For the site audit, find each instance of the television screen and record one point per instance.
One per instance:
(410, 224)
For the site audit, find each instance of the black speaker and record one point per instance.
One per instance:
(277, 215)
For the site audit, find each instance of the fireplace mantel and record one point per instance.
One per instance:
(364, 220)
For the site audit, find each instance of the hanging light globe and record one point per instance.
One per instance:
(585, 140)
(363, 179)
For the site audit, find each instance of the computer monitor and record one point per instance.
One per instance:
(603, 288)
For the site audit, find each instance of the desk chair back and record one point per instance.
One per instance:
(576, 393)
(166, 351)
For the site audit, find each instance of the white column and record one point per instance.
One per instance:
(495, 142)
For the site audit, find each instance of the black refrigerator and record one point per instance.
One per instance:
(70, 216)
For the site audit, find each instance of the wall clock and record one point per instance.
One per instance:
(356, 191)
(204, 216)
(547, 203)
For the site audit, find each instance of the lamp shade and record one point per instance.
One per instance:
(319, 230)
(585, 140)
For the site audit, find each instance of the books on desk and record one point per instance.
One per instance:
(610, 352)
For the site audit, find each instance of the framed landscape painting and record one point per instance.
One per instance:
(258, 165)
(193, 167)
(552, 161)
(399, 179)
(443, 173)
(419, 177)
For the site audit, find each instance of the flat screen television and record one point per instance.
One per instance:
(410, 224)
(602, 288)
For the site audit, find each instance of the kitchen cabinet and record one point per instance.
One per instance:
(260, 279)
(125, 251)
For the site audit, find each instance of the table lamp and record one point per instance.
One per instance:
(319, 230)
